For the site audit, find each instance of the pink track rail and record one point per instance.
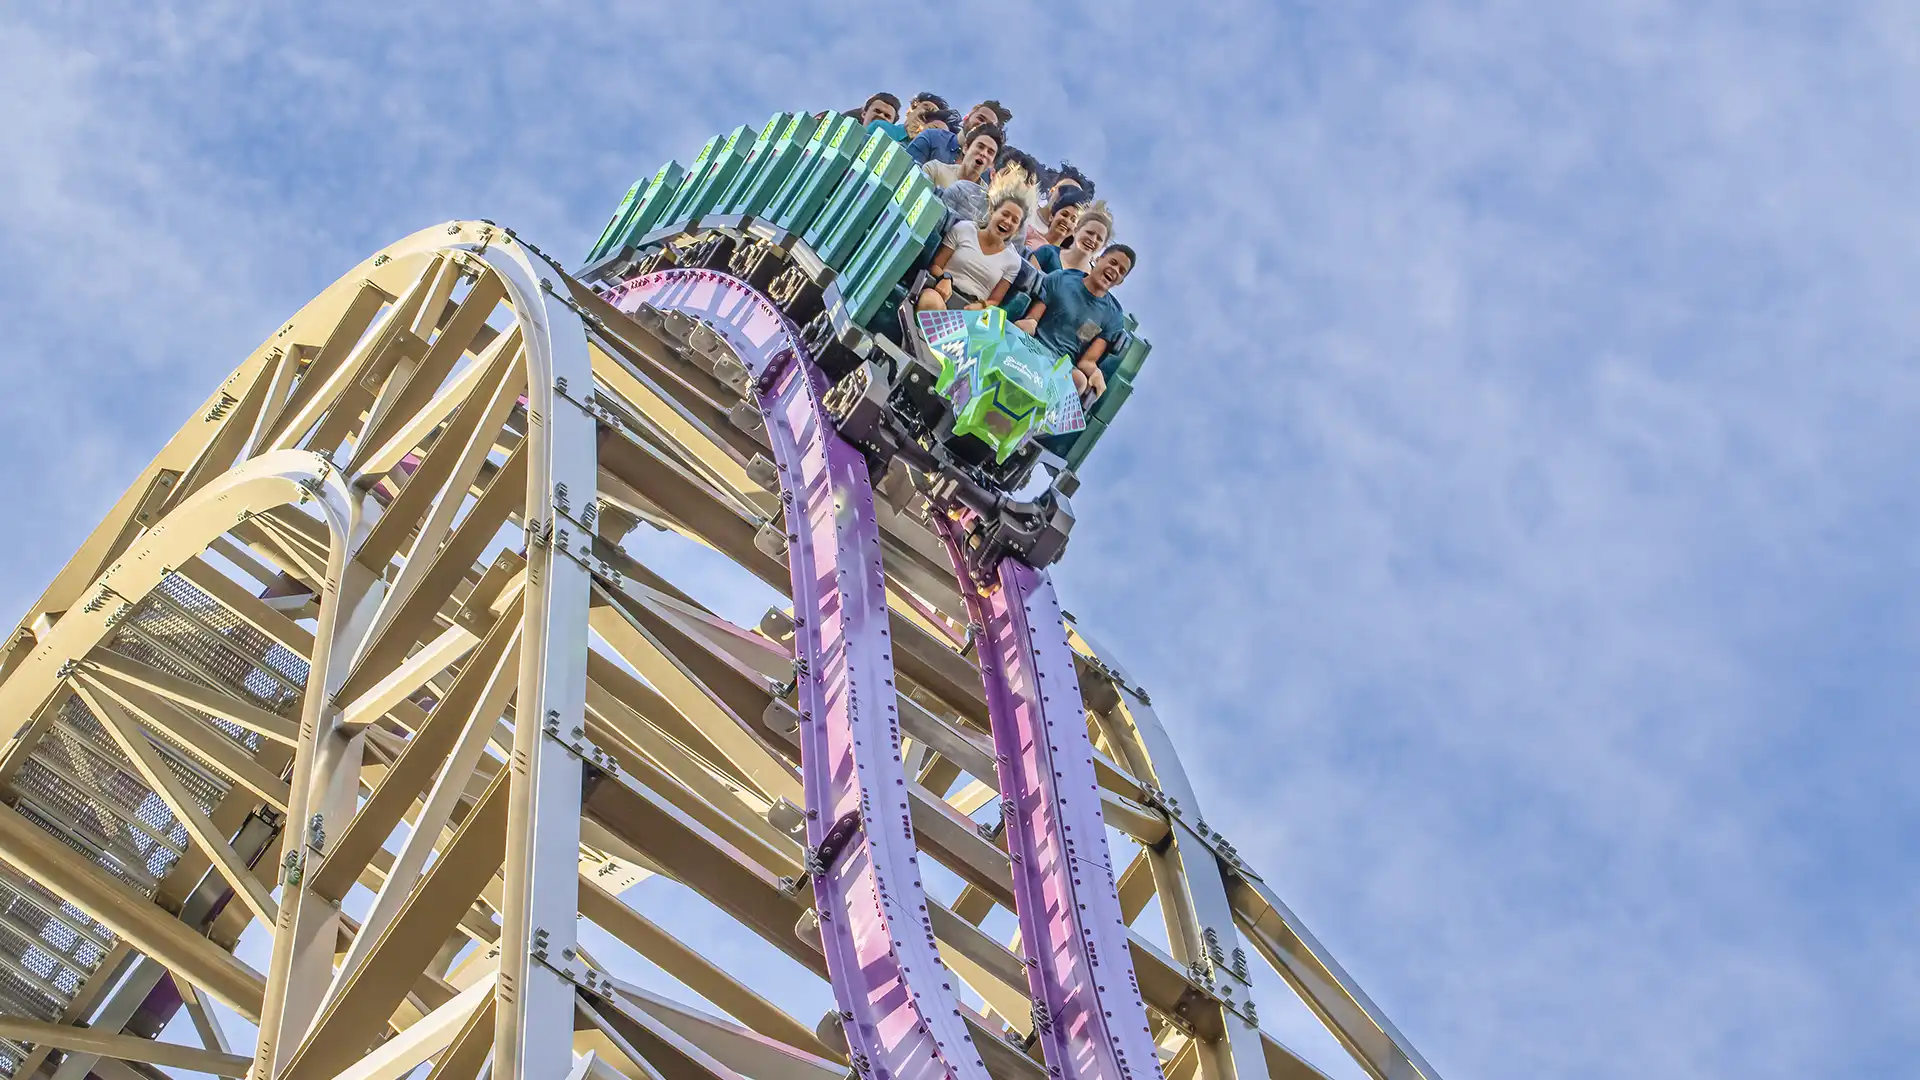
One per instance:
(1088, 1013)
(897, 1002)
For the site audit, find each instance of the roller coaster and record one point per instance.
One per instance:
(359, 663)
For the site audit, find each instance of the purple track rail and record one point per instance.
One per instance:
(1088, 1014)
(897, 1003)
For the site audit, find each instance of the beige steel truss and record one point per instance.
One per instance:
(365, 622)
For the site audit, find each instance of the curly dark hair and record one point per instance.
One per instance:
(1070, 197)
(1021, 157)
(992, 131)
(1067, 171)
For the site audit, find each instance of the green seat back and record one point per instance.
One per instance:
(824, 161)
(640, 216)
(770, 166)
(753, 162)
(723, 166)
(896, 242)
(1133, 357)
(619, 217)
(702, 163)
(854, 205)
(904, 199)
(1082, 446)
(1119, 389)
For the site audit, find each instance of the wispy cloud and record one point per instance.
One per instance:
(1513, 523)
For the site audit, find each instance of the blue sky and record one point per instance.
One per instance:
(1514, 521)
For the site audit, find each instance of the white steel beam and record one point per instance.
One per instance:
(1323, 984)
(220, 753)
(355, 1017)
(326, 772)
(206, 1024)
(129, 915)
(534, 1011)
(335, 373)
(1192, 893)
(458, 729)
(425, 556)
(118, 669)
(449, 788)
(122, 1047)
(737, 1048)
(133, 742)
(409, 676)
(702, 975)
(433, 1033)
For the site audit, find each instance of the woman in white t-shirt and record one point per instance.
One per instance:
(978, 260)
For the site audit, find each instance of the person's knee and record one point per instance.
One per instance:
(930, 300)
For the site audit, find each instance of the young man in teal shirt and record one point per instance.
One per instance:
(1076, 315)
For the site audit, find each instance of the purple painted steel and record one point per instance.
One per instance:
(1094, 1026)
(897, 1000)
(156, 1010)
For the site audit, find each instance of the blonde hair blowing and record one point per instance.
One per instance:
(1012, 184)
(1094, 211)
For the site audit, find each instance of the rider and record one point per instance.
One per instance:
(1063, 186)
(978, 261)
(963, 187)
(943, 146)
(924, 107)
(1052, 224)
(1092, 230)
(1077, 315)
(882, 113)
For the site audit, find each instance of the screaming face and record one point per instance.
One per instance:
(1006, 219)
(980, 154)
(1062, 223)
(1111, 269)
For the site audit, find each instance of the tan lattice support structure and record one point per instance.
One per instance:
(363, 638)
